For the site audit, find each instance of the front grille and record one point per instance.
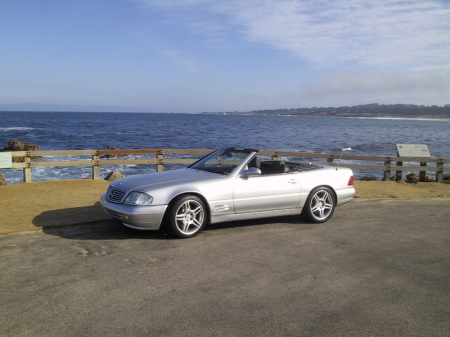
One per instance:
(114, 194)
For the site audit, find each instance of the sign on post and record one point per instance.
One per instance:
(5, 160)
(413, 150)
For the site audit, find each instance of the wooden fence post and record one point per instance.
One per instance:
(398, 174)
(387, 171)
(27, 168)
(422, 174)
(95, 166)
(440, 171)
(160, 157)
(330, 160)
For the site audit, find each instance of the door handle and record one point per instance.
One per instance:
(293, 181)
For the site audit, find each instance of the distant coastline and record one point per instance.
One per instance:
(387, 111)
(400, 111)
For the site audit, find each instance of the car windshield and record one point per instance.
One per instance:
(222, 161)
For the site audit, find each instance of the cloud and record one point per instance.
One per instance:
(338, 84)
(375, 33)
(341, 89)
(417, 88)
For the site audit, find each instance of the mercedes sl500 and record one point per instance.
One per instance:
(228, 184)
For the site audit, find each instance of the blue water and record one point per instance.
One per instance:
(68, 130)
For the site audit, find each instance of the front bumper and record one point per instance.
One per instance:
(138, 217)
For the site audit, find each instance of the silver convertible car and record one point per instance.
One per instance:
(228, 184)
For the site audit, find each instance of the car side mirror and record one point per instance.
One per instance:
(252, 171)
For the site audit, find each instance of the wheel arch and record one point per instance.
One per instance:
(196, 194)
(327, 186)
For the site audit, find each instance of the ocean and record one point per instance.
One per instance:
(74, 131)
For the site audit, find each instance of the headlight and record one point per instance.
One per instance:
(138, 198)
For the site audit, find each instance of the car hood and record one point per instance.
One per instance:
(151, 181)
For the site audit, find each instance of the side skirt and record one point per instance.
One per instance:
(255, 215)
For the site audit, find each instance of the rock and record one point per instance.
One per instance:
(113, 156)
(368, 178)
(17, 145)
(3, 180)
(412, 178)
(114, 175)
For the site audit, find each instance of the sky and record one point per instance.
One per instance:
(222, 55)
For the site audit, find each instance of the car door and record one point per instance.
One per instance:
(266, 192)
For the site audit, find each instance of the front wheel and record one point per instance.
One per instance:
(186, 217)
(319, 206)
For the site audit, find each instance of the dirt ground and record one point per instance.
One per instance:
(401, 189)
(31, 206)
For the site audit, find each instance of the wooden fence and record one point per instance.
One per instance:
(119, 157)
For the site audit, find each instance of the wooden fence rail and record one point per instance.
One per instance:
(31, 159)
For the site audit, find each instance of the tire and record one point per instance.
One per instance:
(320, 205)
(186, 217)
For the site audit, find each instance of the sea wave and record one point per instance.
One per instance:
(16, 128)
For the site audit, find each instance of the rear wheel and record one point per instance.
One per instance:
(319, 206)
(186, 217)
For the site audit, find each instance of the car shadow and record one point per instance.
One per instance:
(88, 222)
(70, 216)
(291, 219)
(91, 223)
(105, 230)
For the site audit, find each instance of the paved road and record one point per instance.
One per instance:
(377, 268)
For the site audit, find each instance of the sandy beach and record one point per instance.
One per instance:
(32, 206)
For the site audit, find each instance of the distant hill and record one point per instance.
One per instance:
(368, 110)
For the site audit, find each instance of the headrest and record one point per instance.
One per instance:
(279, 167)
(255, 162)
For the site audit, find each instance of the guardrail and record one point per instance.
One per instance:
(99, 158)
